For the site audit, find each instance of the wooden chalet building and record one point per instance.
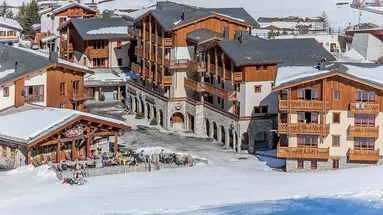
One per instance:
(10, 31)
(39, 135)
(200, 70)
(28, 76)
(329, 117)
(104, 45)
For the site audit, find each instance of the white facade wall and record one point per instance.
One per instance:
(115, 54)
(249, 98)
(40, 79)
(325, 39)
(9, 101)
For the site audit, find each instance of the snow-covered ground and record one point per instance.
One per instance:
(231, 183)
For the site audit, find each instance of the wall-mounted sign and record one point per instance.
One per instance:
(74, 132)
(178, 105)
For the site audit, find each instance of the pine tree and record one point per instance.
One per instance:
(325, 22)
(10, 15)
(31, 17)
(4, 9)
(21, 16)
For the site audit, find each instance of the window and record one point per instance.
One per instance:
(367, 120)
(76, 85)
(301, 94)
(261, 109)
(3, 151)
(3, 33)
(119, 61)
(6, 92)
(62, 105)
(335, 117)
(119, 45)
(335, 140)
(257, 88)
(284, 95)
(219, 79)
(336, 95)
(335, 164)
(99, 62)
(361, 143)
(98, 44)
(62, 20)
(308, 94)
(34, 93)
(62, 89)
(219, 100)
(365, 96)
(314, 164)
(308, 117)
(309, 141)
(11, 33)
(283, 117)
(300, 164)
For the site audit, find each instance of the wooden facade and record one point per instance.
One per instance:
(76, 12)
(303, 152)
(72, 139)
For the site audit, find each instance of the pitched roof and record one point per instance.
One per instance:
(28, 61)
(100, 28)
(254, 50)
(46, 120)
(203, 34)
(70, 5)
(292, 74)
(10, 23)
(169, 14)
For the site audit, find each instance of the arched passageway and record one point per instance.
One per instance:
(207, 127)
(223, 135)
(177, 120)
(147, 111)
(161, 118)
(215, 131)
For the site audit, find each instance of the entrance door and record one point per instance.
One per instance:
(191, 122)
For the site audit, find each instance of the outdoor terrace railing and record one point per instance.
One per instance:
(303, 105)
(365, 108)
(364, 131)
(303, 152)
(363, 155)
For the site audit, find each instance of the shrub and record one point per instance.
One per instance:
(153, 122)
(140, 116)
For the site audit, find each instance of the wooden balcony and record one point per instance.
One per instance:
(303, 105)
(99, 53)
(178, 64)
(364, 131)
(136, 68)
(303, 152)
(304, 128)
(237, 76)
(364, 108)
(206, 87)
(168, 80)
(363, 155)
(75, 96)
(197, 66)
(168, 42)
(197, 86)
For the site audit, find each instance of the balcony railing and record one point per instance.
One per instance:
(99, 53)
(134, 32)
(365, 108)
(304, 128)
(303, 152)
(34, 98)
(168, 42)
(206, 87)
(64, 45)
(78, 96)
(197, 86)
(303, 105)
(364, 131)
(237, 76)
(363, 155)
(158, 59)
(168, 80)
(136, 68)
(197, 66)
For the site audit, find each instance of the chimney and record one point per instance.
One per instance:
(16, 68)
(236, 35)
(106, 14)
(226, 32)
(250, 31)
(183, 14)
(240, 38)
(160, 5)
(54, 57)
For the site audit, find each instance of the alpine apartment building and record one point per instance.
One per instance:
(200, 70)
(28, 76)
(329, 117)
(104, 45)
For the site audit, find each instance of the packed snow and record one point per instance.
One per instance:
(110, 30)
(290, 73)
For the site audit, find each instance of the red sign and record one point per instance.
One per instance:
(74, 132)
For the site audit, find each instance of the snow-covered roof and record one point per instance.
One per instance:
(371, 73)
(136, 14)
(110, 30)
(70, 5)
(11, 23)
(48, 38)
(105, 76)
(28, 125)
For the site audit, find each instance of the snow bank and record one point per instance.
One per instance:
(153, 150)
(42, 172)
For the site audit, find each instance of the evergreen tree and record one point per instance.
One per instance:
(21, 16)
(31, 17)
(325, 22)
(4, 9)
(10, 15)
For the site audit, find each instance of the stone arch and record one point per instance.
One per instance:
(177, 120)
(207, 127)
(223, 135)
(215, 131)
(260, 140)
(161, 118)
(147, 111)
(142, 106)
(231, 139)
(245, 141)
(236, 141)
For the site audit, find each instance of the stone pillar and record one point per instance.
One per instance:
(227, 138)
(211, 135)
(239, 143)
(199, 121)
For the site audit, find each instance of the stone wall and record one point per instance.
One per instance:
(256, 126)
(322, 165)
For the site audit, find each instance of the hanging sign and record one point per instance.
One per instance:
(74, 132)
